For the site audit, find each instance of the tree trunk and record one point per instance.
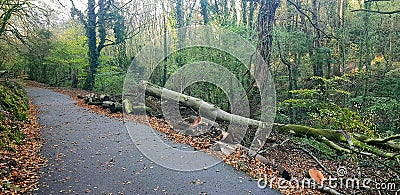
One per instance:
(179, 22)
(74, 77)
(204, 12)
(244, 12)
(251, 14)
(165, 50)
(266, 19)
(210, 111)
(317, 66)
(302, 19)
(324, 135)
(92, 44)
(342, 37)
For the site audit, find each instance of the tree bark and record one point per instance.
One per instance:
(92, 44)
(244, 12)
(210, 111)
(317, 67)
(179, 22)
(252, 8)
(327, 136)
(204, 12)
(266, 20)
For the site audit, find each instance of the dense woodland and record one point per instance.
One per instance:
(335, 63)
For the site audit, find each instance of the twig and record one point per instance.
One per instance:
(273, 146)
(379, 161)
(316, 160)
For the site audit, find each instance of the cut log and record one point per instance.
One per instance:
(137, 110)
(104, 97)
(325, 135)
(210, 111)
(91, 98)
(107, 104)
(116, 107)
(97, 103)
(127, 106)
(112, 106)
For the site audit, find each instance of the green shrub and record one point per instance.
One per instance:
(382, 111)
(323, 106)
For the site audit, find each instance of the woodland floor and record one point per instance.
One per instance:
(288, 158)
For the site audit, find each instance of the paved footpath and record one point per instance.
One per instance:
(90, 153)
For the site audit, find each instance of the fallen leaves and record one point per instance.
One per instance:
(238, 159)
(280, 151)
(316, 175)
(20, 169)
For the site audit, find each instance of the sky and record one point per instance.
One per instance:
(63, 7)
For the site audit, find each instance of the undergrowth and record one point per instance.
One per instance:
(14, 109)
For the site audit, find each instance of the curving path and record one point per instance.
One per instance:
(92, 154)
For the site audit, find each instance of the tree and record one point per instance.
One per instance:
(251, 14)
(37, 49)
(179, 22)
(21, 21)
(317, 66)
(96, 25)
(266, 20)
(204, 12)
(244, 12)
(8, 9)
(67, 57)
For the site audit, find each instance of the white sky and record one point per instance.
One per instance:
(63, 7)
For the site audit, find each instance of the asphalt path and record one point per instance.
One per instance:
(90, 153)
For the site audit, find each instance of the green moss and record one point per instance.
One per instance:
(5, 184)
(14, 105)
(13, 99)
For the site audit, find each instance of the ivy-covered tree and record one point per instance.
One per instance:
(101, 17)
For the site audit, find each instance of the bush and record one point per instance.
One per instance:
(382, 111)
(322, 106)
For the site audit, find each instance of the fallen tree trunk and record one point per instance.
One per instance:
(325, 135)
(137, 110)
(210, 111)
(380, 142)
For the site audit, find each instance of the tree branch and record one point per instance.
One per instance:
(316, 160)
(77, 12)
(309, 19)
(368, 1)
(376, 11)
